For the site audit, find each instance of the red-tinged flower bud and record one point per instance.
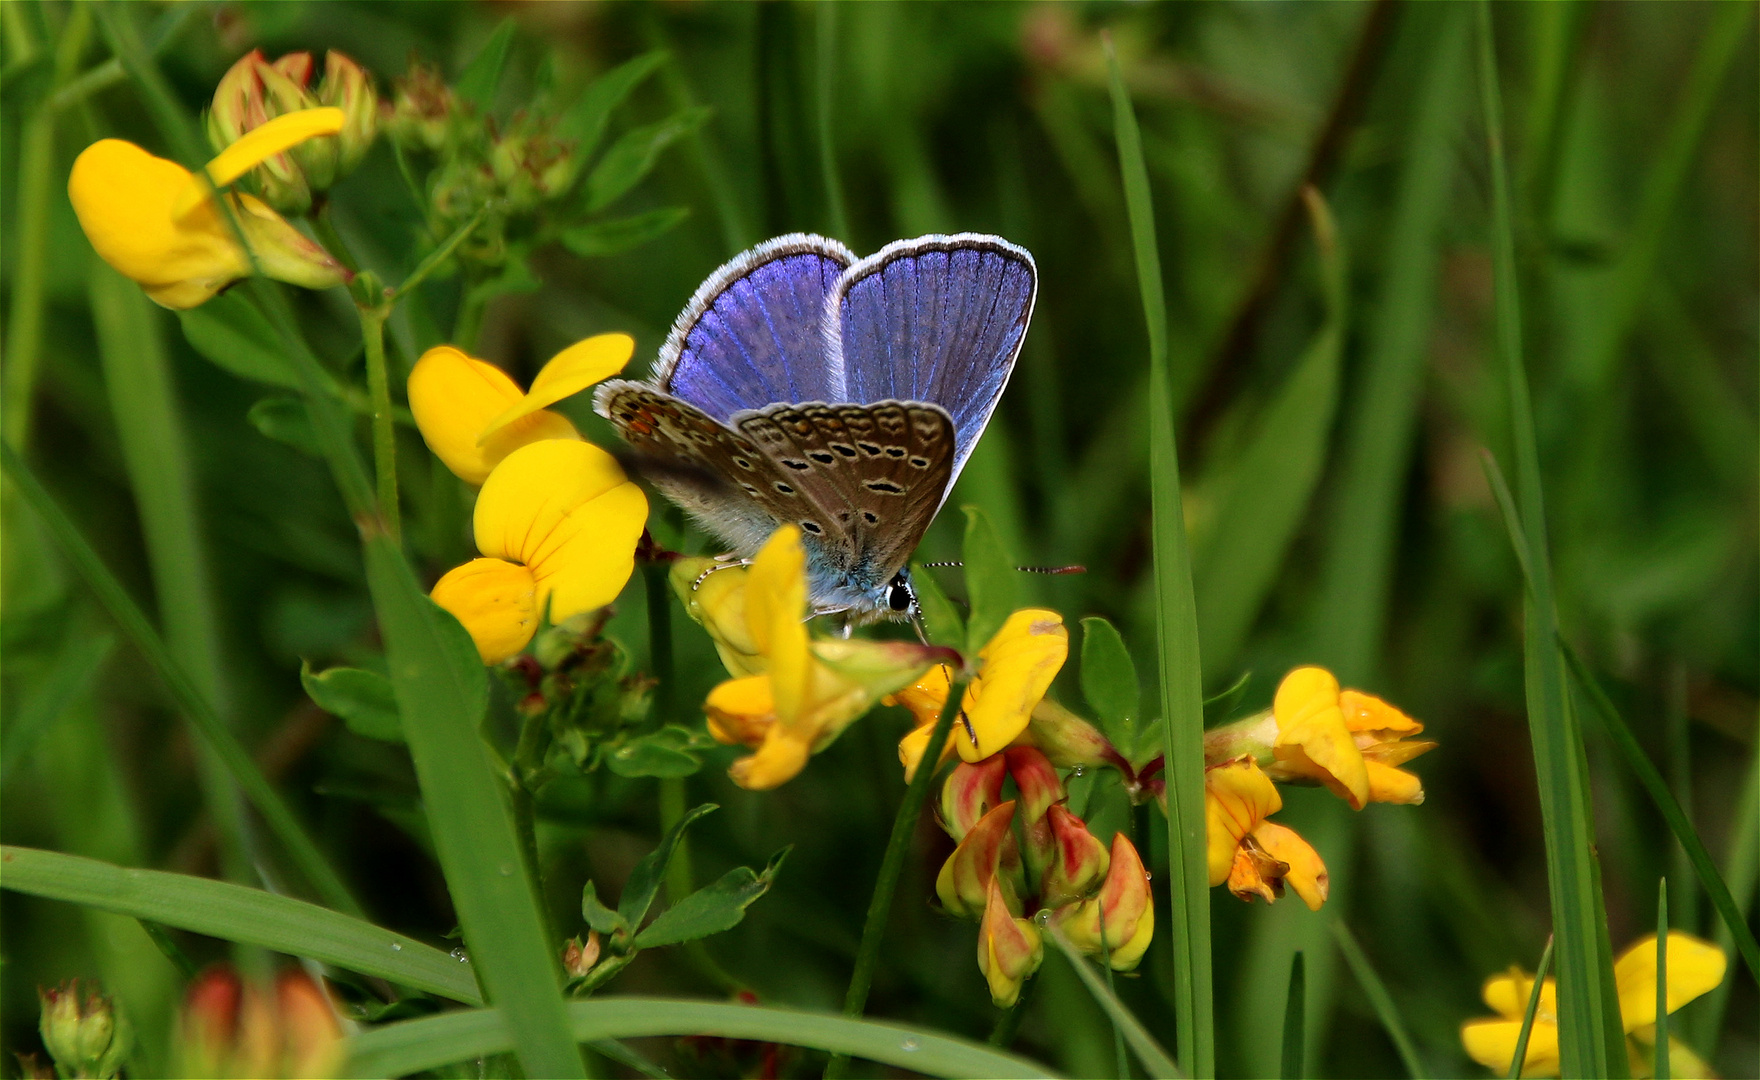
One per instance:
(296, 67)
(1124, 907)
(1010, 948)
(238, 100)
(349, 87)
(1080, 861)
(230, 1029)
(1037, 780)
(311, 1038)
(1070, 741)
(577, 958)
(970, 792)
(989, 848)
(83, 1033)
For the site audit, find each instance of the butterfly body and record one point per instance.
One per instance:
(804, 386)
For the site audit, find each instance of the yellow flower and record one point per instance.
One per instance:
(1345, 739)
(1015, 668)
(472, 415)
(160, 225)
(1694, 967)
(1254, 856)
(806, 692)
(557, 523)
(714, 595)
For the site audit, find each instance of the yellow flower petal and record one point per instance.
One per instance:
(1368, 713)
(564, 509)
(255, 147)
(1492, 1043)
(779, 759)
(1312, 739)
(914, 745)
(1237, 797)
(1507, 995)
(568, 372)
(776, 609)
(496, 601)
(1390, 785)
(453, 397)
(1016, 667)
(1695, 966)
(741, 711)
(1307, 873)
(718, 604)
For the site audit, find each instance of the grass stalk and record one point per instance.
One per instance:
(1182, 695)
(384, 423)
(1659, 1068)
(904, 826)
(1591, 1041)
(1520, 1058)
(1382, 1001)
(1295, 1015)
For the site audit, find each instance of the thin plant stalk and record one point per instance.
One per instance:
(1660, 1065)
(384, 423)
(825, 81)
(1529, 1013)
(1382, 1001)
(904, 826)
(1591, 1041)
(1182, 695)
(1295, 1018)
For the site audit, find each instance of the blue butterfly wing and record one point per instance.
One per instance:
(938, 319)
(752, 335)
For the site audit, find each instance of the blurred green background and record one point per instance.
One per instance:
(1336, 502)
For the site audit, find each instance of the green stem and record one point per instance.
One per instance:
(1520, 1057)
(1659, 1067)
(523, 773)
(384, 423)
(904, 825)
(329, 237)
(1008, 1025)
(437, 256)
(659, 589)
(470, 317)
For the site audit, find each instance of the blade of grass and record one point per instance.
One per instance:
(1295, 1009)
(1591, 1041)
(1263, 495)
(195, 707)
(1182, 694)
(1520, 1057)
(1740, 868)
(1659, 1068)
(237, 913)
(904, 826)
(427, 1043)
(1382, 1002)
(149, 426)
(75, 665)
(1650, 778)
(1155, 1059)
(442, 693)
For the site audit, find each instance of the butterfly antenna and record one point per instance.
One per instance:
(1072, 569)
(943, 564)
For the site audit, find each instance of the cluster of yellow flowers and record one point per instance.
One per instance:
(556, 519)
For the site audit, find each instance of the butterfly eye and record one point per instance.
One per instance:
(898, 594)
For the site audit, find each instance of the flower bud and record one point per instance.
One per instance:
(1038, 782)
(1124, 907)
(987, 850)
(1069, 741)
(86, 1037)
(230, 1029)
(425, 114)
(1010, 948)
(577, 958)
(970, 792)
(1079, 860)
(349, 87)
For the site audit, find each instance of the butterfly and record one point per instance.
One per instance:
(802, 385)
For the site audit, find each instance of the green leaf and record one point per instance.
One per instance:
(235, 337)
(236, 913)
(413, 1046)
(481, 77)
(286, 420)
(1176, 621)
(600, 917)
(644, 881)
(600, 238)
(442, 693)
(1109, 682)
(941, 619)
(1219, 705)
(990, 580)
(1155, 1059)
(585, 120)
(666, 752)
(711, 909)
(633, 155)
(364, 700)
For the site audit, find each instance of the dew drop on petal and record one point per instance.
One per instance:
(1079, 770)
(460, 956)
(909, 1045)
